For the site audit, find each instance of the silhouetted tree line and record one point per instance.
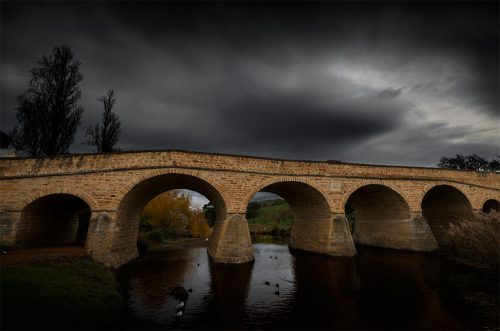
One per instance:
(470, 162)
(48, 113)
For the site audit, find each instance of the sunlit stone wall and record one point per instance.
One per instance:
(105, 182)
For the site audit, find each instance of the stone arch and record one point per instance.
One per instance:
(138, 179)
(53, 218)
(141, 191)
(491, 204)
(430, 185)
(377, 202)
(312, 215)
(444, 204)
(390, 185)
(31, 197)
(379, 216)
(263, 184)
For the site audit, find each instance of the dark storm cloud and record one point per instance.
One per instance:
(302, 124)
(362, 82)
(390, 93)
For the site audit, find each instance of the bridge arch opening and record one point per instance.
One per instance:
(55, 219)
(301, 212)
(378, 216)
(442, 205)
(490, 205)
(132, 205)
(176, 214)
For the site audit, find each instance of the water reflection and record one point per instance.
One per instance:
(379, 289)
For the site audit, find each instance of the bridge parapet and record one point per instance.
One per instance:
(91, 163)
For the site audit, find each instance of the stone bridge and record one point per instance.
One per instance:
(97, 198)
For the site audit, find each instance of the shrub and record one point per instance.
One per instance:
(350, 216)
(275, 230)
(142, 246)
(145, 224)
(477, 241)
(156, 235)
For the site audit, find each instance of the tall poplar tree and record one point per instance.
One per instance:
(104, 136)
(48, 113)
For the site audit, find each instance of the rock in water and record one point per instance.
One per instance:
(179, 293)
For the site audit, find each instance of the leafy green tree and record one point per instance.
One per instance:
(470, 162)
(252, 209)
(4, 140)
(48, 113)
(105, 136)
(209, 212)
(495, 164)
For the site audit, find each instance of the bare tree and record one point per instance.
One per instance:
(106, 135)
(48, 113)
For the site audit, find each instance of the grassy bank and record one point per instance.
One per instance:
(476, 241)
(273, 217)
(60, 293)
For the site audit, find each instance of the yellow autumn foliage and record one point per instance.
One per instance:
(171, 212)
(198, 226)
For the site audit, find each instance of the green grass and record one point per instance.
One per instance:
(268, 239)
(70, 293)
(272, 216)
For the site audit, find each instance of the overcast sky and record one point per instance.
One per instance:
(385, 83)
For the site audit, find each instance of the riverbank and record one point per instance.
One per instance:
(265, 237)
(178, 244)
(60, 292)
(30, 255)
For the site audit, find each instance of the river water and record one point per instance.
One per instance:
(378, 289)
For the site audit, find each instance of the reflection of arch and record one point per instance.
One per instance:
(442, 205)
(378, 202)
(264, 187)
(53, 219)
(491, 204)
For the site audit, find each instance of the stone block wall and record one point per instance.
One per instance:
(118, 184)
(230, 241)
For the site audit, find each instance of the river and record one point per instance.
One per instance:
(378, 289)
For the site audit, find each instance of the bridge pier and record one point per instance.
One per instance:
(412, 234)
(329, 236)
(99, 243)
(421, 237)
(230, 241)
(9, 222)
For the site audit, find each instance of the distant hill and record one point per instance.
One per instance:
(272, 216)
(262, 196)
